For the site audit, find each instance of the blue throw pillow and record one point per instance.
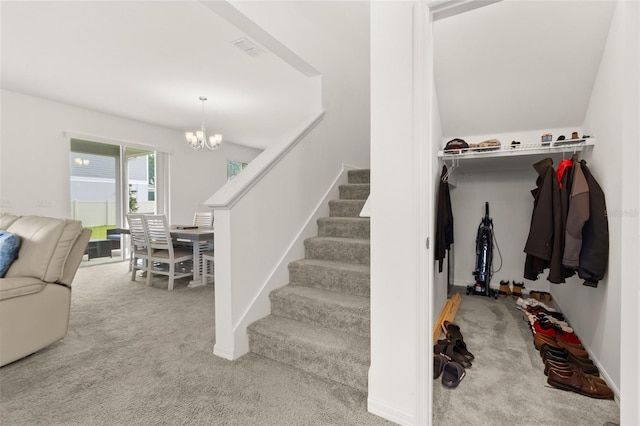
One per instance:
(9, 247)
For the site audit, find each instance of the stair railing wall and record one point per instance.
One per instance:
(261, 226)
(260, 306)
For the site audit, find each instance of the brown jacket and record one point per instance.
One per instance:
(544, 243)
(577, 215)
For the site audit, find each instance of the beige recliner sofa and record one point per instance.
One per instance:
(35, 294)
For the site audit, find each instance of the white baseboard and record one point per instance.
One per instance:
(603, 372)
(225, 353)
(390, 413)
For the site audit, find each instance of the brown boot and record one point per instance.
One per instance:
(517, 289)
(545, 296)
(505, 290)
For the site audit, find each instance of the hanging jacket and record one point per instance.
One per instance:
(563, 168)
(565, 196)
(577, 215)
(444, 220)
(594, 255)
(544, 243)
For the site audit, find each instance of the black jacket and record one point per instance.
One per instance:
(444, 220)
(594, 255)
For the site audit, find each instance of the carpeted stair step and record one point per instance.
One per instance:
(349, 278)
(345, 208)
(334, 355)
(344, 227)
(325, 308)
(359, 176)
(354, 191)
(348, 250)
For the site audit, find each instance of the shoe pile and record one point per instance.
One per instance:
(566, 362)
(451, 356)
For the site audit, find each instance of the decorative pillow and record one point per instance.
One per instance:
(9, 247)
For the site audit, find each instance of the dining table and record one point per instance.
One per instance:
(195, 235)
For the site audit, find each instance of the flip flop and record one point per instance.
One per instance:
(453, 352)
(453, 331)
(461, 346)
(439, 361)
(453, 374)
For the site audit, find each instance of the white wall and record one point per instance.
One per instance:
(440, 280)
(393, 376)
(264, 230)
(195, 175)
(34, 160)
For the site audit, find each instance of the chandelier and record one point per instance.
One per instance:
(198, 139)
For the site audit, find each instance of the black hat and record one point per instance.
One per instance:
(456, 144)
(561, 138)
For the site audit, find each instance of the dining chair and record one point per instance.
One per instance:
(139, 256)
(203, 219)
(162, 251)
(208, 266)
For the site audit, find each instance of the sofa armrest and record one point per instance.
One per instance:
(20, 286)
(75, 257)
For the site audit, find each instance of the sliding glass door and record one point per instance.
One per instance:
(107, 182)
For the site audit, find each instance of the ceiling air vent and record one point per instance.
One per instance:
(248, 47)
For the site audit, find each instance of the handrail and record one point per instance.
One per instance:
(233, 191)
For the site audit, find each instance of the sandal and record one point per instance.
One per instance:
(453, 374)
(453, 352)
(452, 331)
(460, 345)
(439, 361)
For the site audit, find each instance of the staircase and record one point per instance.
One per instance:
(320, 321)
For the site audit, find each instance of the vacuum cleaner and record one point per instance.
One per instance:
(484, 258)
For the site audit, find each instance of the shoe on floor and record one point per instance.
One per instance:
(529, 301)
(439, 361)
(453, 374)
(452, 331)
(462, 347)
(505, 290)
(579, 383)
(567, 366)
(453, 352)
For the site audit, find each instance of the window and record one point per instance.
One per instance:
(233, 168)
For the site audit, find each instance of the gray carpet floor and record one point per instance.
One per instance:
(138, 355)
(506, 384)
